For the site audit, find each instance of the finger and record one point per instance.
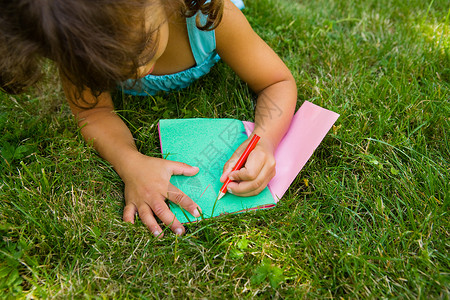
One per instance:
(255, 163)
(146, 216)
(162, 211)
(129, 212)
(175, 195)
(246, 188)
(179, 168)
(225, 173)
(255, 186)
(229, 165)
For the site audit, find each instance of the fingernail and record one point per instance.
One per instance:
(196, 213)
(230, 191)
(178, 231)
(156, 233)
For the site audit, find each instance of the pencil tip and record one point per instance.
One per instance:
(221, 194)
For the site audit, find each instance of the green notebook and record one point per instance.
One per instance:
(207, 144)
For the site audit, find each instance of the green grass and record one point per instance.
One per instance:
(372, 222)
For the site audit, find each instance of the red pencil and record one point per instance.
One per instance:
(239, 163)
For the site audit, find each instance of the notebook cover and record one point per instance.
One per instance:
(308, 127)
(207, 144)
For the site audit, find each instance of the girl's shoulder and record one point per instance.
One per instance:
(234, 23)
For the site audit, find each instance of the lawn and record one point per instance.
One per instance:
(368, 216)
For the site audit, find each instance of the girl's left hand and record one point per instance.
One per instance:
(258, 170)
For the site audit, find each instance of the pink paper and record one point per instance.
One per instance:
(309, 126)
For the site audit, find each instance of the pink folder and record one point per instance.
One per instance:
(309, 126)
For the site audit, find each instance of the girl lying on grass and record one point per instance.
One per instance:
(146, 46)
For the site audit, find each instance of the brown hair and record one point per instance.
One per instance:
(94, 43)
(213, 10)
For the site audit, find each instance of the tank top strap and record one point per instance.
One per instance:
(202, 42)
(239, 4)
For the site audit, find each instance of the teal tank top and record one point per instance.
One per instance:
(203, 46)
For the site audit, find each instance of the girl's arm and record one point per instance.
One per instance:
(258, 65)
(146, 178)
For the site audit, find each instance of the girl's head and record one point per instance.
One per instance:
(94, 43)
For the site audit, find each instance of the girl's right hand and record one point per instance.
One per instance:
(147, 179)
(147, 185)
